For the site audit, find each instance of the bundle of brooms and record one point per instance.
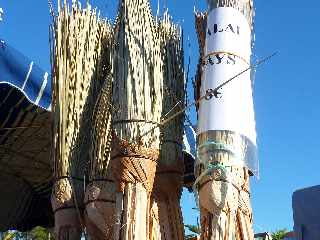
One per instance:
(77, 43)
(100, 192)
(224, 195)
(148, 80)
(137, 93)
(166, 218)
(146, 68)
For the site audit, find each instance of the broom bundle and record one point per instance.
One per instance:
(223, 160)
(99, 198)
(166, 218)
(100, 192)
(147, 63)
(77, 37)
(137, 90)
(173, 88)
(149, 81)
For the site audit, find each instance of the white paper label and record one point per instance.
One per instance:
(229, 46)
(228, 31)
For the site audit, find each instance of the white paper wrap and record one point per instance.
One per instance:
(228, 30)
(228, 51)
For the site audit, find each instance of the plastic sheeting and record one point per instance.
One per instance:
(189, 154)
(242, 152)
(189, 141)
(306, 213)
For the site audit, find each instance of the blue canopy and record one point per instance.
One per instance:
(21, 73)
(25, 142)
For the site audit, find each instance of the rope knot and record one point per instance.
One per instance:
(132, 163)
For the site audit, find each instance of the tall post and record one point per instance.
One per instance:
(226, 128)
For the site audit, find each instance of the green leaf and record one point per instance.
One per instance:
(279, 234)
(8, 236)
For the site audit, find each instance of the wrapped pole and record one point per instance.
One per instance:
(226, 129)
(76, 46)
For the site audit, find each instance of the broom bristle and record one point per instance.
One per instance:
(77, 41)
(102, 132)
(137, 90)
(173, 88)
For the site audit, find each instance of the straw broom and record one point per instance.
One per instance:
(137, 93)
(100, 192)
(166, 218)
(76, 40)
(224, 195)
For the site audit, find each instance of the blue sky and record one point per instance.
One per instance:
(286, 90)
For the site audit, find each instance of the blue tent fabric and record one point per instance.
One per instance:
(25, 142)
(21, 73)
(306, 213)
(25, 166)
